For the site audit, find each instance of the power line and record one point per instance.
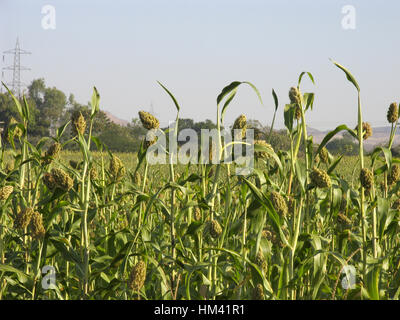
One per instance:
(16, 68)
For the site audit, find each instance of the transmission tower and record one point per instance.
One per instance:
(16, 68)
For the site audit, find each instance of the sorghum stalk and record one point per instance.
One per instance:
(362, 206)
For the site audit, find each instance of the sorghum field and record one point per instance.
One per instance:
(112, 226)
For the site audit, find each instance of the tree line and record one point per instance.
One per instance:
(50, 108)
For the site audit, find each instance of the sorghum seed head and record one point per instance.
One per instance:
(324, 154)
(93, 173)
(240, 124)
(48, 181)
(343, 219)
(23, 218)
(367, 130)
(394, 175)
(279, 203)
(317, 159)
(117, 168)
(258, 292)
(261, 262)
(78, 123)
(17, 130)
(295, 96)
(5, 192)
(396, 204)
(366, 178)
(61, 179)
(197, 214)
(137, 276)
(137, 178)
(263, 154)
(148, 143)
(320, 178)
(36, 225)
(215, 229)
(52, 152)
(297, 112)
(148, 120)
(393, 113)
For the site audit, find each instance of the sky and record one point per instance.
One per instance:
(197, 47)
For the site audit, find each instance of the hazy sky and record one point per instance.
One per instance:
(196, 47)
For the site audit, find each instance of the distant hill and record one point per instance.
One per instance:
(115, 119)
(380, 135)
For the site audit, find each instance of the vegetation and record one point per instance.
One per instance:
(115, 227)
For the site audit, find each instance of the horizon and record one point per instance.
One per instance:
(196, 49)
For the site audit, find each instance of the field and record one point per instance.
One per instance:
(98, 225)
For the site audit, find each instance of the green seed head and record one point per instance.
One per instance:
(215, 229)
(48, 181)
(36, 225)
(23, 218)
(279, 203)
(93, 173)
(295, 96)
(367, 130)
(137, 178)
(61, 179)
(269, 234)
(5, 192)
(117, 168)
(320, 178)
(137, 276)
(148, 120)
(394, 175)
(263, 154)
(17, 130)
(366, 178)
(258, 292)
(297, 112)
(324, 154)
(78, 123)
(317, 159)
(393, 113)
(240, 124)
(261, 262)
(197, 214)
(52, 152)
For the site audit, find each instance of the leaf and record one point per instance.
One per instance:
(309, 75)
(61, 130)
(171, 95)
(373, 282)
(17, 103)
(22, 277)
(95, 102)
(275, 99)
(288, 114)
(331, 134)
(349, 76)
(231, 91)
